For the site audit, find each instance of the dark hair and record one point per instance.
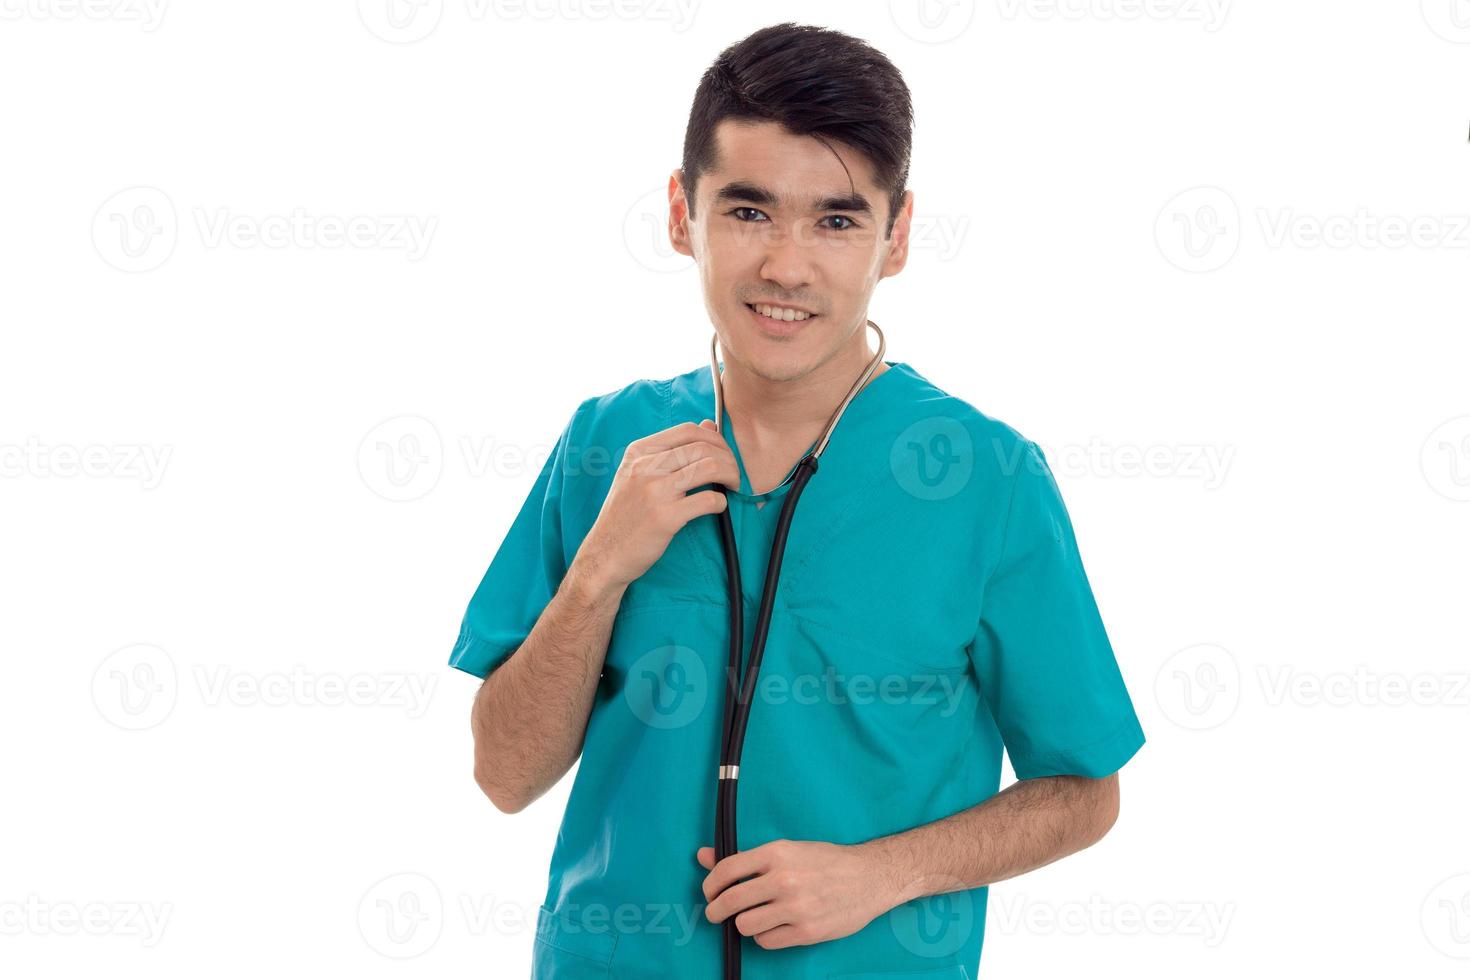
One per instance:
(813, 81)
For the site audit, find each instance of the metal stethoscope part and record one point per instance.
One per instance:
(740, 690)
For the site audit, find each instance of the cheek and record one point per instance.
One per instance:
(853, 266)
(722, 260)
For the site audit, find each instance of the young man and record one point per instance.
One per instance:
(932, 608)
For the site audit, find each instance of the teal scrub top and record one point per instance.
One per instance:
(932, 612)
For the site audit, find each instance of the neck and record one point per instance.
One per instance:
(777, 414)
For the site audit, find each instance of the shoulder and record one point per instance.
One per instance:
(980, 470)
(933, 420)
(611, 419)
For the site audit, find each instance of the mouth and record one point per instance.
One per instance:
(779, 315)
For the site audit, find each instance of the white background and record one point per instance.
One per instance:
(243, 476)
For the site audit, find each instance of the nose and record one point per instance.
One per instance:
(787, 263)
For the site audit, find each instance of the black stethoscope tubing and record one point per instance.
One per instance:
(740, 689)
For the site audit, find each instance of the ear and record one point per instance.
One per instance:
(898, 242)
(679, 235)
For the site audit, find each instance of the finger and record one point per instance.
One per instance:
(701, 503)
(676, 435)
(682, 455)
(778, 938)
(764, 918)
(677, 458)
(707, 469)
(740, 897)
(706, 857)
(741, 864)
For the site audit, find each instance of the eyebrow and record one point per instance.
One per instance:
(743, 190)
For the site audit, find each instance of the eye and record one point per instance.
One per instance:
(841, 217)
(736, 212)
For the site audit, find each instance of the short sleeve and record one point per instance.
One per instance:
(523, 575)
(1042, 656)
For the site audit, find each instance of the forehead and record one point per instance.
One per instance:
(800, 171)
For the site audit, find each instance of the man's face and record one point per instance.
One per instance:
(781, 222)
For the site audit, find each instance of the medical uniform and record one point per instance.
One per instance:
(932, 611)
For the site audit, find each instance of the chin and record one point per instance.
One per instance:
(777, 350)
(778, 362)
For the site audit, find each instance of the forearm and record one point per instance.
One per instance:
(1029, 824)
(530, 715)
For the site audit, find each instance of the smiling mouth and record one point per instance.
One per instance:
(778, 313)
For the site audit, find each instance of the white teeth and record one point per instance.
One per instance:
(780, 313)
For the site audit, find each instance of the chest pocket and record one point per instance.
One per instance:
(666, 651)
(684, 573)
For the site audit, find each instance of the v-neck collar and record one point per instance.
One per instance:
(867, 400)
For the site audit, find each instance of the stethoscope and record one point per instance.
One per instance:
(740, 690)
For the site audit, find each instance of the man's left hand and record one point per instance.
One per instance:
(794, 893)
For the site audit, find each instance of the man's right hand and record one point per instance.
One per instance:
(648, 503)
